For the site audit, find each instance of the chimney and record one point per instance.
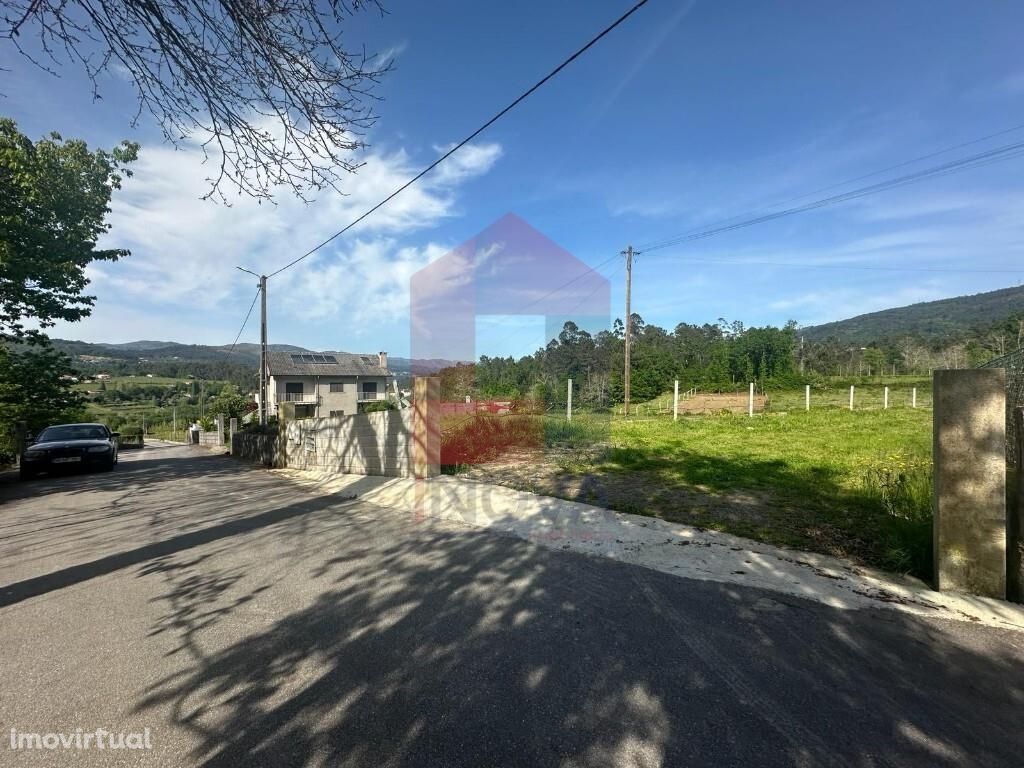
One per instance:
(382, 360)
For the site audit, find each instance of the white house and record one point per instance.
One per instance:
(327, 383)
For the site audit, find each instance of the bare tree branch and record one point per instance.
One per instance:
(266, 86)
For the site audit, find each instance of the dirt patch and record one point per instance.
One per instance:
(571, 474)
(716, 403)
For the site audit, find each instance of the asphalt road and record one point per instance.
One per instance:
(245, 621)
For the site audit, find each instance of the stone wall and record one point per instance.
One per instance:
(257, 448)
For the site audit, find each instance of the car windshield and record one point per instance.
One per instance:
(73, 432)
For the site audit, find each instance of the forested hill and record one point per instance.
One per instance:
(928, 321)
(171, 358)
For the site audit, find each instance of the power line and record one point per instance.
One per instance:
(244, 322)
(951, 270)
(522, 97)
(577, 305)
(880, 171)
(1005, 152)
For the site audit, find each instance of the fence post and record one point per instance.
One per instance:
(675, 402)
(913, 398)
(568, 402)
(851, 397)
(885, 399)
(750, 401)
(969, 454)
(807, 397)
(233, 427)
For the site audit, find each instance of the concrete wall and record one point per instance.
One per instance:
(969, 455)
(261, 449)
(210, 439)
(369, 444)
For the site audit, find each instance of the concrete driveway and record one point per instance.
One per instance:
(246, 621)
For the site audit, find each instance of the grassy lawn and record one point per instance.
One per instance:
(869, 394)
(855, 484)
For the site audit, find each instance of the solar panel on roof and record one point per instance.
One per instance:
(315, 359)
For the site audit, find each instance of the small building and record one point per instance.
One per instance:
(327, 383)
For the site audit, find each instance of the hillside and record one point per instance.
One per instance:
(151, 354)
(929, 321)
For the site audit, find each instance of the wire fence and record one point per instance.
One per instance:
(1014, 365)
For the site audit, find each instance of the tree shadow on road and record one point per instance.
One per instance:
(420, 646)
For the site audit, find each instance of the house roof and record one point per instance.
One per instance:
(324, 364)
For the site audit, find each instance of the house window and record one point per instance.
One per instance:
(370, 390)
(335, 414)
(337, 386)
(293, 387)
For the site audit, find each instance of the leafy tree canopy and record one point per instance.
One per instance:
(54, 199)
(269, 88)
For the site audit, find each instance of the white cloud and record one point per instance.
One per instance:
(185, 249)
(360, 288)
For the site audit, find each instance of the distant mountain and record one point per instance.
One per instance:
(165, 351)
(142, 344)
(929, 321)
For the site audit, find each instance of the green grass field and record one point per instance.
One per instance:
(856, 484)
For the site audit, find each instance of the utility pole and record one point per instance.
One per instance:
(263, 349)
(263, 343)
(629, 253)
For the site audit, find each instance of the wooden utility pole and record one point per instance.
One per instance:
(629, 253)
(263, 349)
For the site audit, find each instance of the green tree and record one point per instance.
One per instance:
(230, 402)
(54, 199)
(35, 387)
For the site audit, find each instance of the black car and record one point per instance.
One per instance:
(70, 446)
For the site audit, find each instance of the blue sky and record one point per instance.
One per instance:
(691, 113)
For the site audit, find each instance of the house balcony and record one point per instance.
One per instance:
(367, 396)
(295, 397)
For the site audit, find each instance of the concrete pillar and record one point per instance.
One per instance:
(913, 398)
(851, 397)
(885, 399)
(969, 453)
(675, 402)
(568, 402)
(750, 401)
(231, 434)
(426, 427)
(219, 421)
(807, 397)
